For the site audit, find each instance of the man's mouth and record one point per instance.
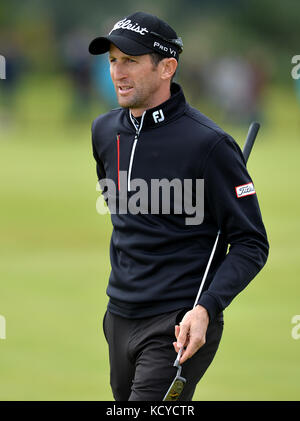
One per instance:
(124, 90)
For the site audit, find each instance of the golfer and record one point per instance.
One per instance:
(159, 253)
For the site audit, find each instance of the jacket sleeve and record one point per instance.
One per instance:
(99, 165)
(240, 222)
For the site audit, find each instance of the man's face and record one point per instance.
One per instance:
(137, 81)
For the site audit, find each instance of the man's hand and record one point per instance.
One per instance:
(191, 332)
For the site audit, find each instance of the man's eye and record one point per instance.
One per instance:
(130, 60)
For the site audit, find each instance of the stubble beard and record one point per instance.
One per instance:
(140, 99)
(137, 100)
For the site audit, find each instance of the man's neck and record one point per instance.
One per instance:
(138, 112)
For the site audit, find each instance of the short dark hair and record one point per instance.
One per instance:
(156, 58)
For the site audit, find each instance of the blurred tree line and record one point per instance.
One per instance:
(204, 25)
(51, 38)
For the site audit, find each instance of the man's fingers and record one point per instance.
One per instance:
(193, 346)
(175, 347)
(177, 331)
(183, 335)
(191, 332)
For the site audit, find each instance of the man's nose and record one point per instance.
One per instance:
(119, 71)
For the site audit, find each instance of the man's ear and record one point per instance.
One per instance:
(169, 66)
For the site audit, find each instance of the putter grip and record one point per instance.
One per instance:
(176, 362)
(251, 136)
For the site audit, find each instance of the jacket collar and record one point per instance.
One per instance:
(165, 112)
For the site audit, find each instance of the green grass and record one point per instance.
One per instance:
(54, 268)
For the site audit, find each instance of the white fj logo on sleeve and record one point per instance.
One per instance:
(245, 190)
(158, 116)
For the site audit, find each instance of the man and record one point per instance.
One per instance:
(157, 258)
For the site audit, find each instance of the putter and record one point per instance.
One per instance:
(179, 382)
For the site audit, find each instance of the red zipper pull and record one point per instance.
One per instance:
(118, 157)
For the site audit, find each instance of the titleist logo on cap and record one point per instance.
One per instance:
(126, 24)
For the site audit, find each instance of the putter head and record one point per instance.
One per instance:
(178, 383)
(175, 389)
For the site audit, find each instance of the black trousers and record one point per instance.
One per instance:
(141, 355)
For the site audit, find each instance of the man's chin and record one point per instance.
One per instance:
(126, 103)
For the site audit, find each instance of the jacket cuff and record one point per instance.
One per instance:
(211, 304)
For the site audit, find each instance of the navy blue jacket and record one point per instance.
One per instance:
(157, 260)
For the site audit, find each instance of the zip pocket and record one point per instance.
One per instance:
(118, 159)
(137, 133)
(131, 161)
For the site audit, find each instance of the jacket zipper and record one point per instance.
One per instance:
(137, 133)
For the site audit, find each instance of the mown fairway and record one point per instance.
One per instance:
(54, 251)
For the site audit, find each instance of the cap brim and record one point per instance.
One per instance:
(101, 45)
